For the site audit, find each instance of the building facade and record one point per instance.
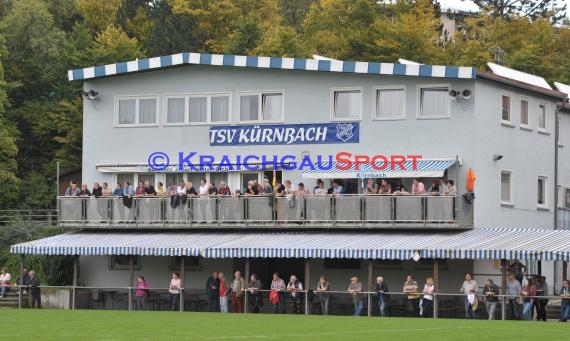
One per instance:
(206, 113)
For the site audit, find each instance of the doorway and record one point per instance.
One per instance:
(265, 267)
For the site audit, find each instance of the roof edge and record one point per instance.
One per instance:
(521, 85)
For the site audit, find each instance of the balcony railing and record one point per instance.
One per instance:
(348, 211)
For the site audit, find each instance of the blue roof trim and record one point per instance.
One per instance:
(274, 63)
(229, 60)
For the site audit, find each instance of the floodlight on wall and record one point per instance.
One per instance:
(460, 95)
(91, 94)
(497, 157)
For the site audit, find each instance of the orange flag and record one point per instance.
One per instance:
(471, 180)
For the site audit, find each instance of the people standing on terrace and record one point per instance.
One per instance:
(427, 300)
(118, 191)
(355, 290)
(149, 189)
(160, 190)
(139, 191)
(385, 187)
(294, 287)
(190, 190)
(320, 189)
(513, 292)
(238, 286)
(288, 187)
(412, 297)
(212, 189)
(224, 290)
(278, 288)
(141, 293)
(383, 298)
(301, 190)
(84, 191)
(450, 188)
(322, 291)
(224, 189)
(106, 190)
(469, 288)
(251, 188)
(72, 190)
(491, 293)
(5, 279)
(371, 187)
(253, 288)
(565, 301)
(418, 187)
(528, 294)
(174, 290)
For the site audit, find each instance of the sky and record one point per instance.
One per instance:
(469, 6)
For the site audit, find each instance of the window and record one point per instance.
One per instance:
(124, 177)
(346, 104)
(261, 107)
(123, 262)
(524, 112)
(137, 111)
(390, 103)
(506, 188)
(174, 179)
(434, 102)
(217, 177)
(198, 109)
(506, 109)
(541, 192)
(191, 263)
(542, 119)
(567, 198)
(143, 177)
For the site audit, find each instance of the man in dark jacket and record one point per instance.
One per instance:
(35, 290)
(213, 290)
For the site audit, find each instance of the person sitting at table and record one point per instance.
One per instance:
(174, 290)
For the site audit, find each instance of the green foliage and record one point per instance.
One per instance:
(52, 270)
(41, 112)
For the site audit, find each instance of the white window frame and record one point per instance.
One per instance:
(546, 125)
(375, 103)
(332, 104)
(511, 188)
(260, 93)
(509, 122)
(528, 112)
(187, 97)
(137, 98)
(422, 87)
(543, 206)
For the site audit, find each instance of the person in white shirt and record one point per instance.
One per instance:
(203, 187)
(427, 301)
(5, 279)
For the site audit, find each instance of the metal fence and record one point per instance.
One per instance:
(307, 302)
(329, 211)
(47, 216)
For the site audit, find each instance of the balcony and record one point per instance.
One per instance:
(229, 212)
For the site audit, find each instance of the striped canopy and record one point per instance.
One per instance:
(424, 169)
(484, 243)
(260, 62)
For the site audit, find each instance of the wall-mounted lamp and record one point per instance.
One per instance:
(497, 157)
(91, 94)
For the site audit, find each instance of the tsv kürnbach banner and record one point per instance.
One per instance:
(340, 133)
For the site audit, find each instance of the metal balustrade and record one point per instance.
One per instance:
(345, 211)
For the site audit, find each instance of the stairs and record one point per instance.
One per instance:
(10, 300)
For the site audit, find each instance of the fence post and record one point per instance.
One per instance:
(369, 305)
(504, 308)
(307, 302)
(245, 302)
(130, 299)
(435, 305)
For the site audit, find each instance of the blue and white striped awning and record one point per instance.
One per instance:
(272, 63)
(484, 243)
(424, 169)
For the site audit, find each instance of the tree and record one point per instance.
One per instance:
(553, 9)
(113, 45)
(411, 35)
(98, 15)
(343, 29)
(172, 33)
(245, 37)
(294, 12)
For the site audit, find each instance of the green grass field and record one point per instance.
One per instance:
(121, 325)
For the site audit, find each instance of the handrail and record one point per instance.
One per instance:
(306, 210)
